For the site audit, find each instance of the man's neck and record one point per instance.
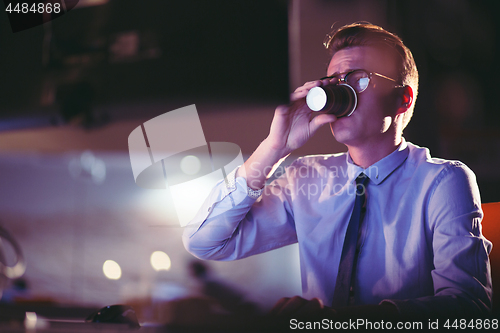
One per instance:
(371, 152)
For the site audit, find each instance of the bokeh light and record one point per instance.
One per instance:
(112, 270)
(160, 261)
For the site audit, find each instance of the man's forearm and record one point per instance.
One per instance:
(261, 165)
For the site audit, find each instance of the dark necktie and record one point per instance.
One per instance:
(346, 275)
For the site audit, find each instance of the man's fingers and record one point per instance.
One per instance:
(311, 307)
(297, 306)
(298, 95)
(290, 108)
(321, 120)
(309, 85)
(316, 83)
(289, 306)
(302, 91)
(292, 306)
(279, 305)
(326, 82)
(281, 109)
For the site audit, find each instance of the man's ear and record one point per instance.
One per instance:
(405, 100)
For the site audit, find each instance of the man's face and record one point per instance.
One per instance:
(371, 122)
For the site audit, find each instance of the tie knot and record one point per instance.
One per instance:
(362, 179)
(361, 182)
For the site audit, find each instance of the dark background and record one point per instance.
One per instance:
(237, 51)
(456, 48)
(183, 50)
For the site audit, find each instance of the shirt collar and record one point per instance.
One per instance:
(383, 168)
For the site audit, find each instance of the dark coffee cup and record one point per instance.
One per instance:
(338, 99)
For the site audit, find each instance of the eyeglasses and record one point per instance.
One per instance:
(359, 79)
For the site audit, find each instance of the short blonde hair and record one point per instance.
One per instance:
(367, 34)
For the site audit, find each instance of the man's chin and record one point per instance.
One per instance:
(342, 137)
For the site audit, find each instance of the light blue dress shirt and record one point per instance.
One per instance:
(421, 243)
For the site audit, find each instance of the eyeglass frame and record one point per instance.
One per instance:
(370, 74)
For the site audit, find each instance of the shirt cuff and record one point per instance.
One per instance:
(231, 185)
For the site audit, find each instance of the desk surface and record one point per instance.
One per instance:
(77, 328)
(56, 318)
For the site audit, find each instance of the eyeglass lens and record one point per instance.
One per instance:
(359, 80)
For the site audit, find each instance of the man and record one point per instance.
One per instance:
(418, 244)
